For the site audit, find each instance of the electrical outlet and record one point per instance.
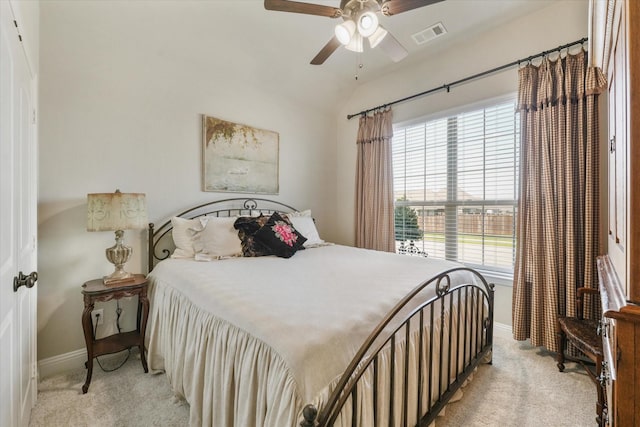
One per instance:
(97, 316)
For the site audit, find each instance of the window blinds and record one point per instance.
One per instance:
(455, 186)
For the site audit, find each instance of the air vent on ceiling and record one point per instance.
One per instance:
(428, 34)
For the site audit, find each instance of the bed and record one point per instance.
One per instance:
(329, 335)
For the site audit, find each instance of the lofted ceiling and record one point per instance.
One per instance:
(270, 49)
(291, 40)
(303, 36)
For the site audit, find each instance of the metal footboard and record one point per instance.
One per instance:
(412, 364)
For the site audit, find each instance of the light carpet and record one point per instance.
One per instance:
(521, 388)
(524, 388)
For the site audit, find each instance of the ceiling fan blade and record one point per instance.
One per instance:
(393, 48)
(393, 7)
(326, 51)
(300, 7)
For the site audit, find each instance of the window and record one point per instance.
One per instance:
(455, 186)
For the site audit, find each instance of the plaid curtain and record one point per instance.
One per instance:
(557, 220)
(374, 183)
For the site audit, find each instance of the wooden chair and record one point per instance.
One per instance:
(583, 334)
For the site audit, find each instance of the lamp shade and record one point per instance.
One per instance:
(356, 44)
(116, 211)
(367, 23)
(377, 37)
(345, 31)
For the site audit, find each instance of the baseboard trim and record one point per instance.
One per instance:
(502, 330)
(68, 362)
(62, 363)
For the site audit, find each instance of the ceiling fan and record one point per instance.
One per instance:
(360, 21)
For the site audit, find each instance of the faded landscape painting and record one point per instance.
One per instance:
(239, 158)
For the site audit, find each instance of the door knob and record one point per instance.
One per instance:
(23, 280)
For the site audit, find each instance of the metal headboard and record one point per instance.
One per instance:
(160, 240)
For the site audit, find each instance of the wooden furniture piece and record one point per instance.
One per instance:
(96, 290)
(621, 347)
(418, 385)
(584, 335)
(615, 47)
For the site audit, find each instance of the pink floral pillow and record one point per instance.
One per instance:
(280, 237)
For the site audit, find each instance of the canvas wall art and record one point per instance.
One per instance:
(239, 158)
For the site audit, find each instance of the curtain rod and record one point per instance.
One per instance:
(447, 86)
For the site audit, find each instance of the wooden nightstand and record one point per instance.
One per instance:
(96, 290)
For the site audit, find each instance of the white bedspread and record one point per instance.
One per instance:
(250, 341)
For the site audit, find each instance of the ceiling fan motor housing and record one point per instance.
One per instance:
(353, 9)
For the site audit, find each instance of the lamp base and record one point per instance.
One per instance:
(118, 277)
(118, 255)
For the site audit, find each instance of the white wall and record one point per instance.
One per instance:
(563, 22)
(121, 104)
(121, 98)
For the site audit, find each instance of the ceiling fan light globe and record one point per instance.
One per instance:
(377, 37)
(367, 23)
(344, 32)
(356, 44)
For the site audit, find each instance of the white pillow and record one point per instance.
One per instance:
(183, 233)
(218, 239)
(305, 226)
(299, 213)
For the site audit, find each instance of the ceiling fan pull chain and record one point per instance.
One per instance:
(359, 65)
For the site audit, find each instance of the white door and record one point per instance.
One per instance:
(18, 226)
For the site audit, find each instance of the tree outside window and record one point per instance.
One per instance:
(406, 223)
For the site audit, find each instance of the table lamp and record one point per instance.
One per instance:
(117, 212)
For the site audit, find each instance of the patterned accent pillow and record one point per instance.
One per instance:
(280, 237)
(247, 228)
